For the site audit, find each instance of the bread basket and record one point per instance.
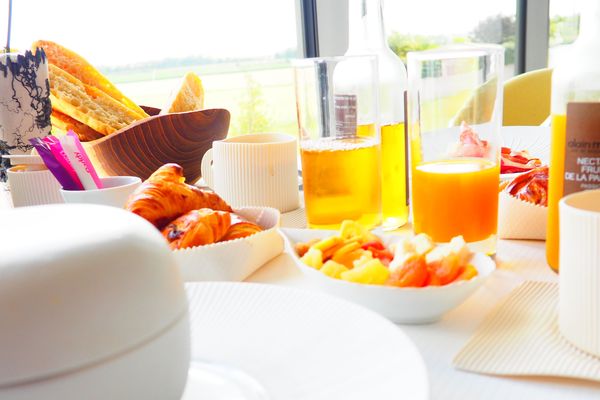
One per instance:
(142, 147)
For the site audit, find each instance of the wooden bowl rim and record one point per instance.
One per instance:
(151, 118)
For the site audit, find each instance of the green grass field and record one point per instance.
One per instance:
(227, 88)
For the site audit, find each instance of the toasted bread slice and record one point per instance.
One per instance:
(87, 104)
(77, 66)
(65, 123)
(188, 97)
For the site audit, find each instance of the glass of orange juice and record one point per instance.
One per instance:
(454, 117)
(337, 109)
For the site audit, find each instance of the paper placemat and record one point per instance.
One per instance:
(521, 337)
(294, 219)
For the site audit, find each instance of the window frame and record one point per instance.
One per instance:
(325, 30)
(533, 30)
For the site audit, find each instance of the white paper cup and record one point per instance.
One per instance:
(254, 170)
(115, 192)
(32, 186)
(579, 288)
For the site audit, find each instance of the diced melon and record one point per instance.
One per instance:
(373, 272)
(313, 258)
(333, 269)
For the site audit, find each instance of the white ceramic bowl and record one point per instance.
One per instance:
(400, 305)
(236, 259)
(115, 192)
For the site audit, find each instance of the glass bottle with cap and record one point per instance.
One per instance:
(367, 36)
(575, 108)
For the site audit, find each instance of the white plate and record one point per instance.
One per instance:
(402, 305)
(534, 139)
(303, 345)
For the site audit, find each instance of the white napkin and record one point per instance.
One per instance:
(521, 337)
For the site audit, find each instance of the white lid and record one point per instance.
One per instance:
(79, 284)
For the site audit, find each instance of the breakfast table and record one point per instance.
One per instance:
(517, 261)
(438, 343)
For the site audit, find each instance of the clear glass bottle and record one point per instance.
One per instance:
(575, 108)
(367, 36)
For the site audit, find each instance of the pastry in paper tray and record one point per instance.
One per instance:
(519, 219)
(234, 260)
(209, 240)
(522, 208)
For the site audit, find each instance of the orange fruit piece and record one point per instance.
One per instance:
(412, 273)
(445, 270)
(467, 272)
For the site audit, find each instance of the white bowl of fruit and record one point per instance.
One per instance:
(406, 279)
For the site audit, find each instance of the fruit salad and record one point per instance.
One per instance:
(357, 255)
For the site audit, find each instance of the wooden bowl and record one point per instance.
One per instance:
(144, 146)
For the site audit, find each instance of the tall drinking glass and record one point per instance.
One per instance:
(454, 117)
(337, 107)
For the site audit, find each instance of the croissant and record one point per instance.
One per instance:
(165, 196)
(197, 228)
(240, 228)
(531, 186)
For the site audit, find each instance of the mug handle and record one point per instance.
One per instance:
(206, 168)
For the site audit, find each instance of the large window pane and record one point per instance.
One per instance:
(425, 24)
(564, 28)
(241, 49)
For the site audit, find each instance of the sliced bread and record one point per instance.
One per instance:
(188, 97)
(65, 123)
(87, 104)
(77, 66)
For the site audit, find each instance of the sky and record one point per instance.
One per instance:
(117, 32)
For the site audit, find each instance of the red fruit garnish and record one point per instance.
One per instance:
(517, 161)
(531, 186)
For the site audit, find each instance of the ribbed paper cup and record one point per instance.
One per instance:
(519, 219)
(33, 187)
(579, 288)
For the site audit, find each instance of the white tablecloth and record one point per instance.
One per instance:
(439, 342)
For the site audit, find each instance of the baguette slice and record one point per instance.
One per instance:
(188, 97)
(81, 69)
(65, 123)
(87, 104)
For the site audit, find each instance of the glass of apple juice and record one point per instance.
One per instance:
(337, 110)
(454, 116)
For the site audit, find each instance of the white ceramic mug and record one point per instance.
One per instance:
(579, 288)
(254, 170)
(115, 192)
